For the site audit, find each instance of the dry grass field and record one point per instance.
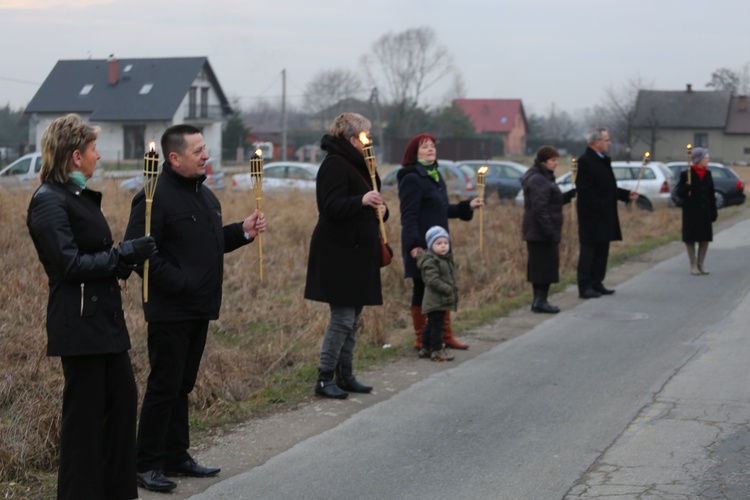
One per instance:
(263, 350)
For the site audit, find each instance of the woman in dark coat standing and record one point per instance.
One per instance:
(85, 321)
(343, 268)
(424, 203)
(542, 225)
(698, 209)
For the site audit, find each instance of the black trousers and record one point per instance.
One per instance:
(97, 438)
(432, 335)
(174, 352)
(592, 264)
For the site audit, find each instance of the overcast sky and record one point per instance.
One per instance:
(565, 53)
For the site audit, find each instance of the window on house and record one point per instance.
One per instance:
(146, 88)
(86, 89)
(192, 97)
(127, 68)
(134, 144)
(700, 141)
(204, 102)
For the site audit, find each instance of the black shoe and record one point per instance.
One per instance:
(544, 307)
(329, 389)
(603, 291)
(154, 480)
(353, 385)
(191, 468)
(589, 293)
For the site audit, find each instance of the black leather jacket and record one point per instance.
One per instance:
(74, 244)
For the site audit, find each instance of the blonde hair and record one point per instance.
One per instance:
(61, 138)
(348, 125)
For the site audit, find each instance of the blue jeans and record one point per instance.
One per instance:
(340, 337)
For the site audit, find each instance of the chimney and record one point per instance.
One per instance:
(742, 102)
(689, 88)
(114, 70)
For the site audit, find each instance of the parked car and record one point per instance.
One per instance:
(22, 173)
(281, 176)
(730, 189)
(502, 177)
(456, 180)
(214, 179)
(655, 186)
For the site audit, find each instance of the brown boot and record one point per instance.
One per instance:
(448, 339)
(419, 320)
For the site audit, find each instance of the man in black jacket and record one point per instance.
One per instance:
(185, 281)
(598, 221)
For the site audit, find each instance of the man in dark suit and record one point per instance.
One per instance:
(598, 222)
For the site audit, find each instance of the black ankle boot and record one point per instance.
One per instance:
(327, 388)
(346, 381)
(540, 304)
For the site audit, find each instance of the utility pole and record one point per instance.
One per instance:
(375, 102)
(283, 114)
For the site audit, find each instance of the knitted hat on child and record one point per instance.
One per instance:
(433, 234)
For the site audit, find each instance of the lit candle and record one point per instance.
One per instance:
(573, 175)
(150, 177)
(646, 157)
(689, 164)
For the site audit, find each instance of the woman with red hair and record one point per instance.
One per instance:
(424, 203)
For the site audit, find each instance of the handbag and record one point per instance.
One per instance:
(676, 198)
(386, 253)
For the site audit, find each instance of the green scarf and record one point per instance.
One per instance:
(432, 172)
(79, 179)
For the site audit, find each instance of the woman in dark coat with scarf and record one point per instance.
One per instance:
(542, 225)
(85, 321)
(698, 209)
(424, 203)
(343, 267)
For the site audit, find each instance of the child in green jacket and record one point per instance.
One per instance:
(440, 294)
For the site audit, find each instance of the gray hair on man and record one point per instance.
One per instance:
(596, 135)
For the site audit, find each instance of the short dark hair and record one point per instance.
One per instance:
(173, 139)
(545, 153)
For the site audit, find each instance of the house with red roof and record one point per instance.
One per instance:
(502, 117)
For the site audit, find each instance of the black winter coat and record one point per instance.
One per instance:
(185, 278)
(424, 203)
(74, 244)
(343, 267)
(542, 205)
(699, 208)
(598, 193)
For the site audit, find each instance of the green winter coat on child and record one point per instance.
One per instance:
(440, 291)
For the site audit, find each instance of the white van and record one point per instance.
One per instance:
(22, 173)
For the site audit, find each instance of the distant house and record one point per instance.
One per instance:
(133, 101)
(665, 122)
(501, 117)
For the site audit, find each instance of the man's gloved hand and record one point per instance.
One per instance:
(135, 251)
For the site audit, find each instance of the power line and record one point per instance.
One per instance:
(18, 81)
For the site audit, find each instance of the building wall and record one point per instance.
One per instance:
(515, 140)
(671, 144)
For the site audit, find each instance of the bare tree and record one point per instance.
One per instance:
(457, 90)
(725, 79)
(328, 87)
(617, 115)
(409, 63)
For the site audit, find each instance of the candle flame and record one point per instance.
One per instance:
(482, 170)
(363, 138)
(647, 154)
(690, 146)
(258, 152)
(152, 146)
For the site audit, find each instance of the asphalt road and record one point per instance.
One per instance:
(643, 394)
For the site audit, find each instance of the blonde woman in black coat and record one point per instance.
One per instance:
(344, 262)
(85, 321)
(542, 225)
(698, 209)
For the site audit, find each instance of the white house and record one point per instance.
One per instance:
(133, 101)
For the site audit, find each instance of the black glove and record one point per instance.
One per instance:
(135, 251)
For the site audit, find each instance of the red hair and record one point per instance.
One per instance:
(410, 154)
